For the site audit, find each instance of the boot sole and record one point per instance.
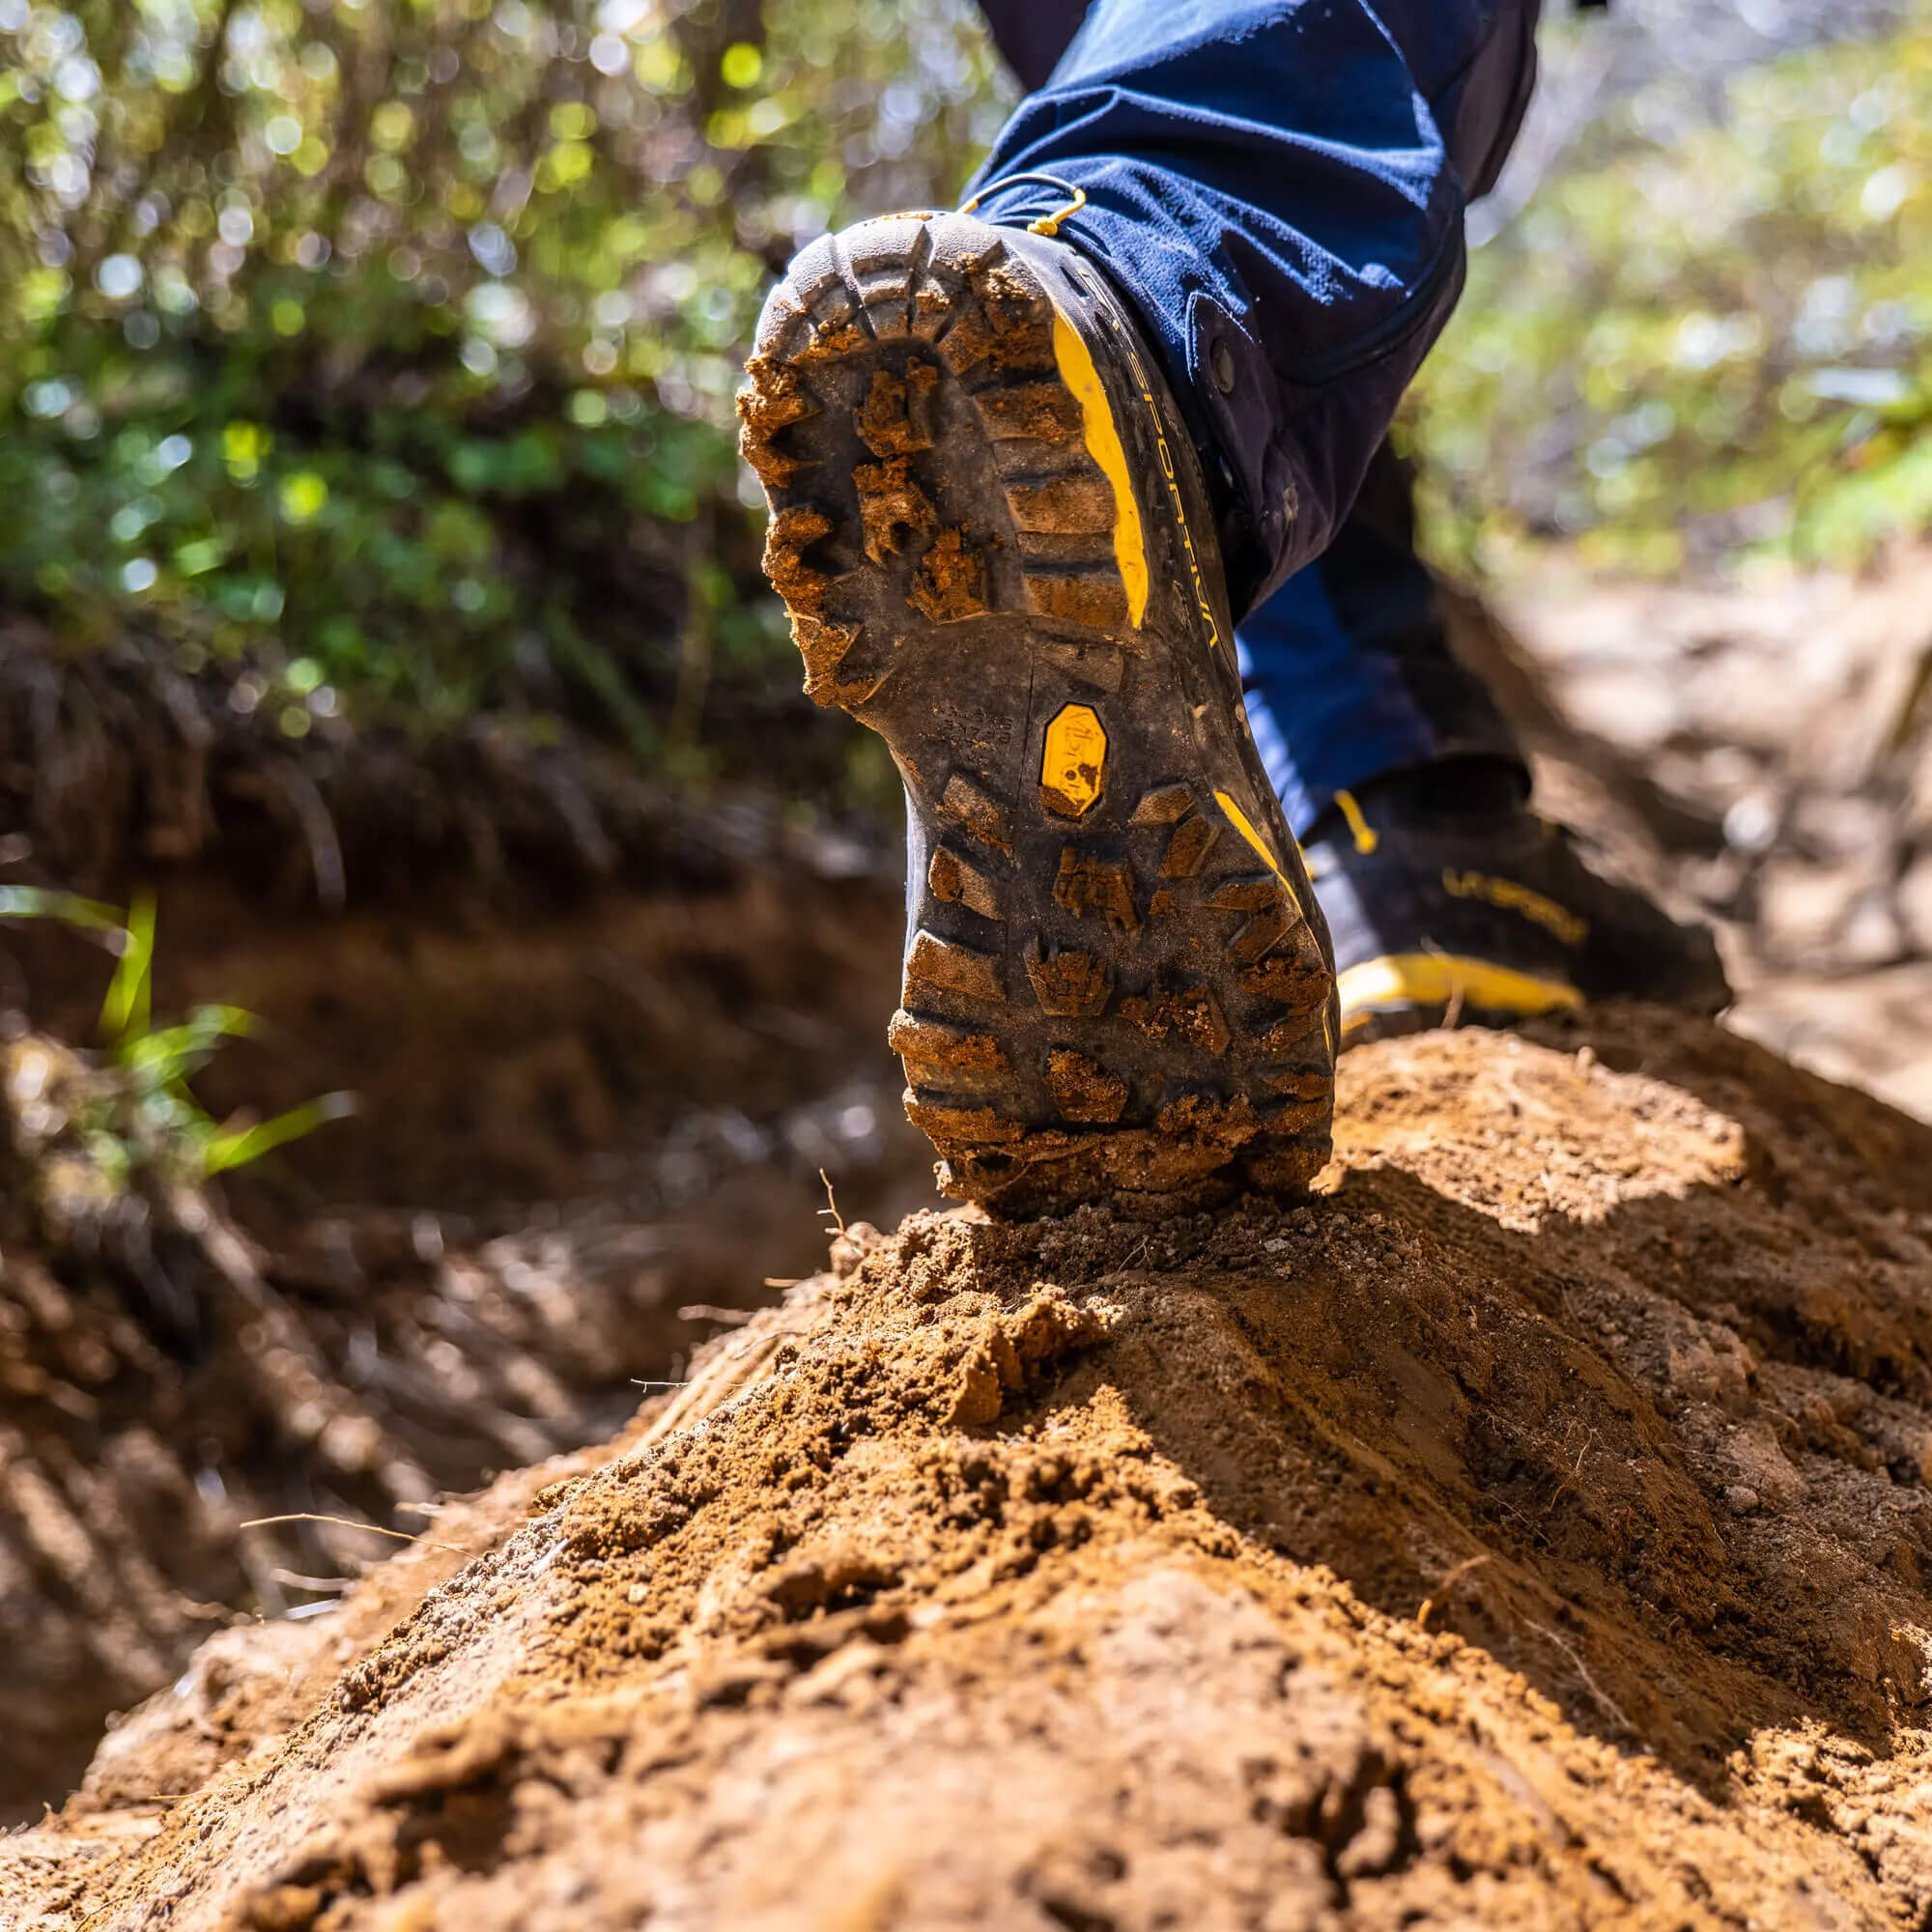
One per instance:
(1112, 986)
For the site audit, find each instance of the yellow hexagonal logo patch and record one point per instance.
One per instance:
(1072, 768)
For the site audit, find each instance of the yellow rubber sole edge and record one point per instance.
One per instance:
(1103, 444)
(1442, 980)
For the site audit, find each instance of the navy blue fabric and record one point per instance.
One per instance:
(1278, 187)
(1031, 35)
(1351, 717)
(1348, 668)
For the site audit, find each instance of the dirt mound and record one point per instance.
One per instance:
(1530, 1532)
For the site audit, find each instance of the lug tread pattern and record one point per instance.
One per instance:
(1099, 986)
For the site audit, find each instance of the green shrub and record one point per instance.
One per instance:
(382, 349)
(1703, 341)
(87, 1131)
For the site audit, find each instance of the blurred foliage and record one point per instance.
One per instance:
(377, 356)
(382, 350)
(90, 1127)
(1705, 339)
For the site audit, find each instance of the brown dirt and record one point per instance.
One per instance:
(950, 582)
(584, 1130)
(115, 768)
(1532, 1532)
(505, 1038)
(160, 1392)
(1759, 753)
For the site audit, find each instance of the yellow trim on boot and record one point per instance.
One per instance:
(1443, 980)
(1240, 820)
(1364, 834)
(1075, 362)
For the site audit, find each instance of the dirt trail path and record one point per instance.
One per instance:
(1759, 754)
(1532, 1532)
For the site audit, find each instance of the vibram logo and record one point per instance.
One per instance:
(1566, 926)
(1073, 761)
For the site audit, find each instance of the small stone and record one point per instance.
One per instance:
(1764, 1470)
(1871, 935)
(1806, 910)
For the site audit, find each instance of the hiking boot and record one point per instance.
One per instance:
(991, 533)
(1485, 916)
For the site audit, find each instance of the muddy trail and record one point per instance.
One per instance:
(1529, 1530)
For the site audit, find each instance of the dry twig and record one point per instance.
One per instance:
(350, 1522)
(831, 1205)
(1442, 1589)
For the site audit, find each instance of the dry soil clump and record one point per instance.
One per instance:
(1532, 1532)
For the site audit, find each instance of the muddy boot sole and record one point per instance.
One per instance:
(993, 542)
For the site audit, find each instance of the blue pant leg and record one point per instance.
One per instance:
(1348, 669)
(1346, 714)
(1277, 187)
(1347, 666)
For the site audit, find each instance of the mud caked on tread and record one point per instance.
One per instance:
(997, 554)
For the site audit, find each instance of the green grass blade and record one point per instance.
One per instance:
(226, 1150)
(167, 1054)
(127, 1007)
(37, 902)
